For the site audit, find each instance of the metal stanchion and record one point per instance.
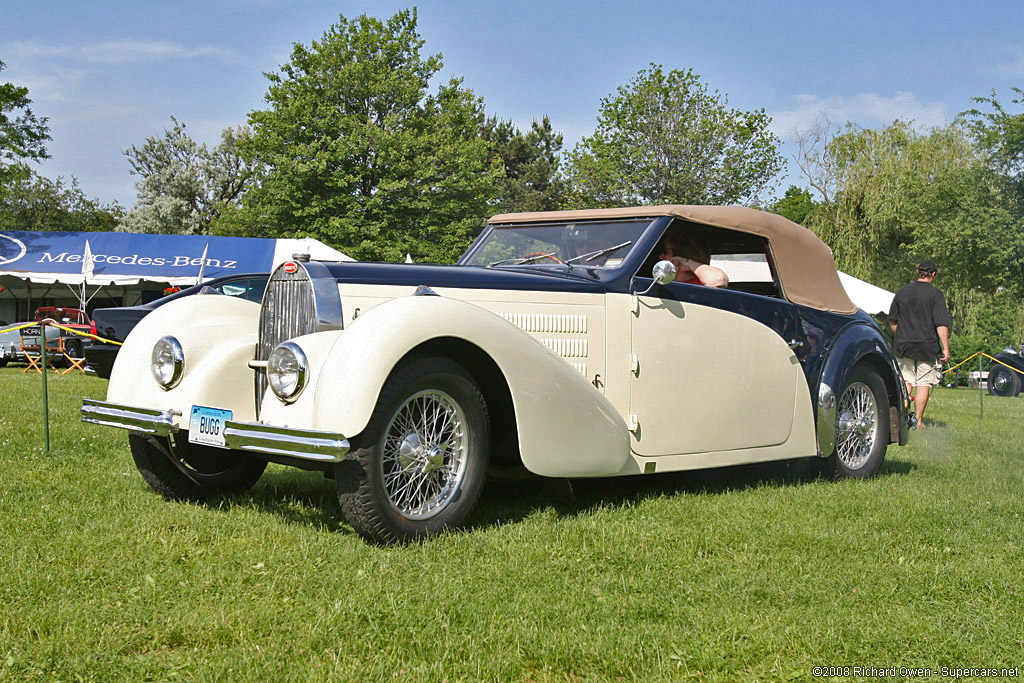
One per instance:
(981, 391)
(46, 400)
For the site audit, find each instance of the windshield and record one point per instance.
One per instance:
(593, 245)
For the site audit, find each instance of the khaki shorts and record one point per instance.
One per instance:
(921, 373)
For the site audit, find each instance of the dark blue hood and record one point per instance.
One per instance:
(537, 278)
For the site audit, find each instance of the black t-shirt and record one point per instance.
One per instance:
(917, 309)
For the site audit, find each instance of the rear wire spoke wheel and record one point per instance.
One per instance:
(862, 426)
(182, 470)
(419, 465)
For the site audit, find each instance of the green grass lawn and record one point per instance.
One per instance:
(739, 574)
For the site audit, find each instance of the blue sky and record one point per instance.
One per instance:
(107, 75)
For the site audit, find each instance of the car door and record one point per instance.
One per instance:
(713, 371)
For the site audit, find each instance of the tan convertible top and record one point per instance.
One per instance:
(804, 263)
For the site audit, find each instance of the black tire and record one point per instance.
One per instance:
(862, 426)
(74, 349)
(181, 470)
(1003, 381)
(442, 452)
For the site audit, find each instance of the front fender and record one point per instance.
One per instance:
(1011, 359)
(218, 335)
(565, 426)
(855, 344)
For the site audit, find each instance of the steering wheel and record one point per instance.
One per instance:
(545, 255)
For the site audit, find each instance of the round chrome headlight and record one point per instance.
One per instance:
(167, 362)
(286, 371)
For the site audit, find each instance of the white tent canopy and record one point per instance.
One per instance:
(868, 297)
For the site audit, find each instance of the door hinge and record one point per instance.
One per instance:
(634, 423)
(634, 365)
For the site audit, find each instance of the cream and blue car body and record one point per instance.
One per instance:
(551, 342)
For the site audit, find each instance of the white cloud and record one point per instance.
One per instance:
(115, 52)
(867, 110)
(128, 51)
(35, 50)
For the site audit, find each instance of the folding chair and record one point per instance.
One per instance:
(33, 354)
(73, 363)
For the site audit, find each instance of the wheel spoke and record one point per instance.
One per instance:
(857, 425)
(423, 454)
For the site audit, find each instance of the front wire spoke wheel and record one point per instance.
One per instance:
(424, 452)
(418, 467)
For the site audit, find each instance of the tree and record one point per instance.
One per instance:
(38, 203)
(531, 181)
(185, 186)
(1000, 134)
(796, 205)
(355, 152)
(23, 136)
(902, 195)
(665, 139)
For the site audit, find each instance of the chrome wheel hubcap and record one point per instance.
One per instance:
(856, 425)
(424, 452)
(1000, 381)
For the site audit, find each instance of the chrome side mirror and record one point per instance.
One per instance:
(664, 272)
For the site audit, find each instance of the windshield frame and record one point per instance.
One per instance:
(565, 240)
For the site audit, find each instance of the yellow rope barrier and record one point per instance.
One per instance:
(66, 329)
(961, 363)
(982, 353)
(85, 334)
(1001, 363)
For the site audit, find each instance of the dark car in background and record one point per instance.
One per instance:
(114, 324)
(1006, 376)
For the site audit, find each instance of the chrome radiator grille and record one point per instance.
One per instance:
(289, 310)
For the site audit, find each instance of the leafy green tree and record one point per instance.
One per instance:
(531, 160)
(38, 203)
(664, 138)
(184, 186)
(355, 152)
(1000, 134)
(902, 195)
(23, 136)
(795, 205)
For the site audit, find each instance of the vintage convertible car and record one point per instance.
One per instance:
(559, 340)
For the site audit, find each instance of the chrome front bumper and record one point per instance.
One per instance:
(244, 436)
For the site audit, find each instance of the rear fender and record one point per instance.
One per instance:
(565, 426)
(859, 343)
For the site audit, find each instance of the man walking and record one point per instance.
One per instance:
(920, 320)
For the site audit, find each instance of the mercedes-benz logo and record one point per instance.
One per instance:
(11, 249)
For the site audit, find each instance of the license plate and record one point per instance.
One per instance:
(206, 425)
